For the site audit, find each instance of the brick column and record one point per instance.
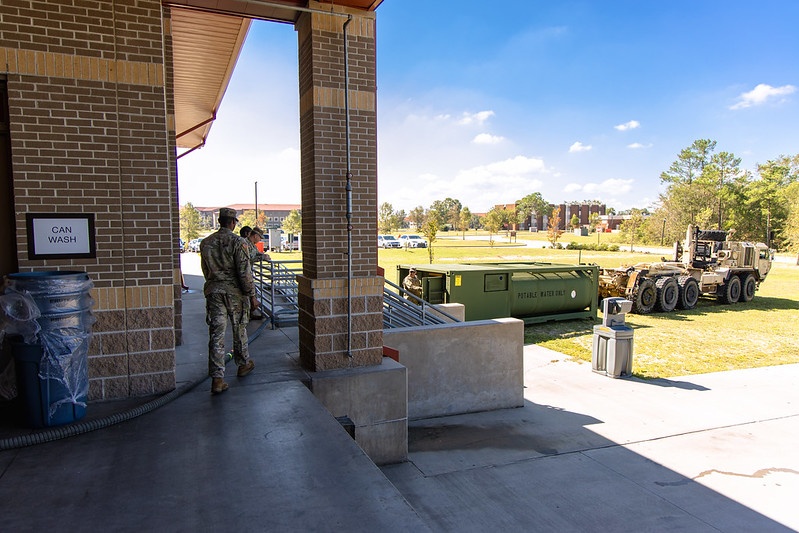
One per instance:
(324, 305)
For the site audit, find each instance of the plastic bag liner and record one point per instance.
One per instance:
(18, 314)
(60, 321)
(65, 356)
(43, 284)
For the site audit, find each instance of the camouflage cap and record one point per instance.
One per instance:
(228, 212)
(257, 230)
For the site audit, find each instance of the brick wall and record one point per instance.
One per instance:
(89, 134)
(340, 319)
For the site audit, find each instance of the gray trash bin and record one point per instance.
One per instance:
(612, 346)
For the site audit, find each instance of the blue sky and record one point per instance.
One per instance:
(577, 100)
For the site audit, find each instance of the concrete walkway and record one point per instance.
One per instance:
(715, 452)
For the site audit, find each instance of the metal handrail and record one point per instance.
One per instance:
(277, 291)
(404, 309)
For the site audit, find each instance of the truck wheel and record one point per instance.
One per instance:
(668, 294)
(644, 297)
(689, 292)
(730, 292)
(716, 235)
(748, 287)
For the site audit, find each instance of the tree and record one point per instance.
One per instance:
(386, 220)
(532, 204)
(292, 224)
(448, 211)
(766, 197)
(417, 216)
(553, 227)
(723, 170)
(632, 227)
(575, 221)
(690, 163)
(511, 218)
(430, 228)
(791, 228)
(493, 222)
(189, 222)
(593, 221)
(247, 218)
(688, 184)
(465, 221)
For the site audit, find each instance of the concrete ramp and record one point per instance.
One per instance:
(260, 457)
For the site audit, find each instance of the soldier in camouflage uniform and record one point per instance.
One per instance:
(229, 293)
(254, 236)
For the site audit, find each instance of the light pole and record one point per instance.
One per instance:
(256, 203)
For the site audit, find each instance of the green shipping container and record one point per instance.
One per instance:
(533, 292)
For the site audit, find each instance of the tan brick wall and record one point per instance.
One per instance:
(323, 148)
(90, 134)
(324, 332)
(323, 323)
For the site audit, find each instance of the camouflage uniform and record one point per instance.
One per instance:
(413, 285)
(253, 252)
(228, 288)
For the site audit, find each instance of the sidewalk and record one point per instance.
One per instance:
(714, 452)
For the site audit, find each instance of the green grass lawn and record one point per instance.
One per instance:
(710, 338)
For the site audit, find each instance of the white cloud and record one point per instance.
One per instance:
(483, 186)
(475, 118)
(579, 147)
(631, 125)
(487, 138)
(609, 186)
(636, 146)
(761, 94)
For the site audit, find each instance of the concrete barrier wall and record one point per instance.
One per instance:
(461, 368)
(454, 310)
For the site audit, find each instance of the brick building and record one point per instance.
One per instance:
(582, 210)
(95, 98)
(274, 214)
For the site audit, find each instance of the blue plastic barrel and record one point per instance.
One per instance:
(52, 373)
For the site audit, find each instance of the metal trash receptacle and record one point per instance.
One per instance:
(612, 351)
(52, 372)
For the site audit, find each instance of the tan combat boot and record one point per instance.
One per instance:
(218, 385)
(246, 368)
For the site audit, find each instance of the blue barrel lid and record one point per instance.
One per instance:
(41, 275)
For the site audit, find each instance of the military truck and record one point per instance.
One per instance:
(706, 263)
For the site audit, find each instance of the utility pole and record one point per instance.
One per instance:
(256, 203)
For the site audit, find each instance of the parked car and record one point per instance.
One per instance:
(287, 246)
(412, 241)
(388, 241)
(194, 245)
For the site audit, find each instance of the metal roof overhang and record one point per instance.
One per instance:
(207, 37)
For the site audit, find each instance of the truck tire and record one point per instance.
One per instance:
(748, 287)
(668, 294)
(730, 292)
(689, 292)
(644, 297)
(716, 235)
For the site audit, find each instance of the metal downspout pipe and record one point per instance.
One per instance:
(348, 189)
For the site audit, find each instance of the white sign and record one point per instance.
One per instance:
(64, 236)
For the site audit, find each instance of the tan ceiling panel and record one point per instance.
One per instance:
(207, 37)
(278, 10)
(206, 47)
